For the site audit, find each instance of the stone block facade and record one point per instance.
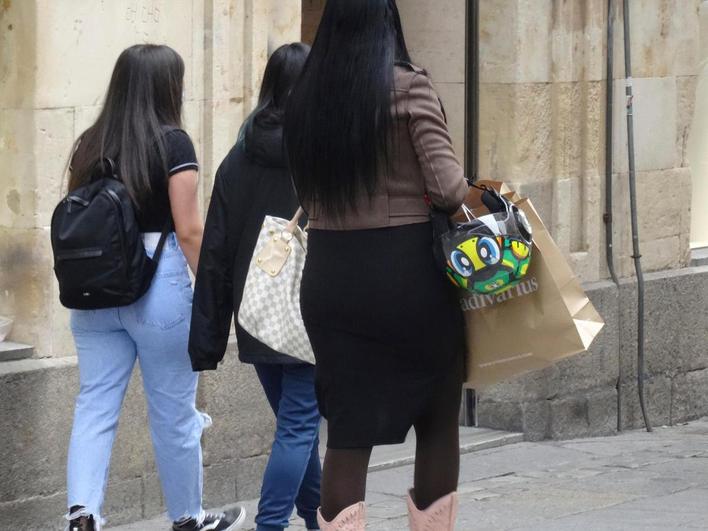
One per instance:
(542, 98)
(594, 393)
(542, 106)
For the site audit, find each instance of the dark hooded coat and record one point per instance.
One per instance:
(253, 181)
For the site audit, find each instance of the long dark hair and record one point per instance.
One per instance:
(144, 96)
(262, 132)
(338, 120)
(282, 72)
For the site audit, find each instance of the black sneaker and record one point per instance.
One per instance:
(82, 522)
(228, 521)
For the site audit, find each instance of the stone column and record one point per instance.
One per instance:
(285, 23)
(542, 120)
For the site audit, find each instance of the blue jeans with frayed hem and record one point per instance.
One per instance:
(152, 331)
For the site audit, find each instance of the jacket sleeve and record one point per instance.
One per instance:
(212, 308)
(444, 177)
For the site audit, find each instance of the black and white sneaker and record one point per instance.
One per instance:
(228, 521)
(80, 520)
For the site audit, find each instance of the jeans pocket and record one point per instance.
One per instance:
(162, 307)
(166, 321)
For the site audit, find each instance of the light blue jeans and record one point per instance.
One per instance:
(154, 331)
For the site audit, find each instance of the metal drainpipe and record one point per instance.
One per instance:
(635, 226)
(469, 396)
(472, 92)
(609, 247)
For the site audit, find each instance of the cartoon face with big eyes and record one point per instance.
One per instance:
(486, 264)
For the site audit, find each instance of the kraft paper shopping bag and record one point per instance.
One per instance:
(545, 318)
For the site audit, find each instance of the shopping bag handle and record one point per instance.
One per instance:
(292, 224)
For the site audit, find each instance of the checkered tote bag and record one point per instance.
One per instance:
(270, 307)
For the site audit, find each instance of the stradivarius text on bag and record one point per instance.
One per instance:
(477, 301)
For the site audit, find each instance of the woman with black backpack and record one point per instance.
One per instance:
(138, 136)
(254, 181)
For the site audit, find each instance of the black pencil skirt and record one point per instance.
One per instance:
(386, 329)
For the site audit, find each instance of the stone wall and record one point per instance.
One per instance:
(542, 120)
(582, 396)
(542, 130)
(542, 106)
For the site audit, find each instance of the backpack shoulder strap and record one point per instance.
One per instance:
(169, 223)
(163, 238)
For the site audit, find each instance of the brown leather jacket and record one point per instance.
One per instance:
(423, 161)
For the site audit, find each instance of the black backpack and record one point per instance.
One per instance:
(99, 256)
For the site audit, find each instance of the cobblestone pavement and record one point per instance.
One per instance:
(637, 481)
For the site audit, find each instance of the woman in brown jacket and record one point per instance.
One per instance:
(369, 149)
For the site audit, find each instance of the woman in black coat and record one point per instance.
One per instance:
(252, 182)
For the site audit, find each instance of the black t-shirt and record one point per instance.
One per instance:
(181, 156)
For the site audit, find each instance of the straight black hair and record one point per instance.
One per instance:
(338, 120)
(282, 72)
(144, 96)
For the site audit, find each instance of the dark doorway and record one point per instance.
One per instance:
(311, 16)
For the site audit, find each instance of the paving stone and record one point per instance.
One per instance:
(389, 509)
(692, 470)
(616, 519)
(632, 481)
(646, 481)
(529, 457)
(538, 504)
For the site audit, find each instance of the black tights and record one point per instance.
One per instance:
(437, 462)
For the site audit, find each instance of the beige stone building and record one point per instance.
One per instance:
(540, 127)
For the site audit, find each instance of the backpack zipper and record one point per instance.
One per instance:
(121, 234)
(79, 254)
